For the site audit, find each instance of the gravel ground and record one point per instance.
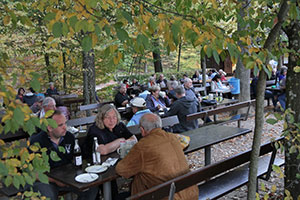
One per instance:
(237, 145)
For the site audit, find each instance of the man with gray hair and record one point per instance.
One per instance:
(122, 98)
(51, 90)
(155, 159)
(183, 106)
(48, 104)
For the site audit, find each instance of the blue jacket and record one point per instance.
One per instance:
(137, 116)
(150, 103)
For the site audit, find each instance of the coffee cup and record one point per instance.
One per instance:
(121, 152)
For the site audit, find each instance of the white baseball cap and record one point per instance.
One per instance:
(138, 102)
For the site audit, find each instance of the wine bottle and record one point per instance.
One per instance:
(77, 154)
(96, 154)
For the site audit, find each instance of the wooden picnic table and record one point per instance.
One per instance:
(9, 137)
(105, 178)
(277, 89)
(206, 136)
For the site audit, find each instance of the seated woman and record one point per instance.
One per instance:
(109, 131)
(20, 94)
(155, 101)
(151, 82)
(217, 86)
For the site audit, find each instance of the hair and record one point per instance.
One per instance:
(154, 88)
(173, 84)
(47, 100)
(19, 90)
(31, 90)
(186, 80)
(56, 112)
(173, 78)
(102, 112)
(283, 69)
(179, 90)
(51, 83)
(125, 81)
(150, 121)
(151, 78)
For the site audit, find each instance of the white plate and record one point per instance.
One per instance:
(96, 169)
(86, 178)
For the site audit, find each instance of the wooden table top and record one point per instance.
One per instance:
(68, 178)
(212, 134)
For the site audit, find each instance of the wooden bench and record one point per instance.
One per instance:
(229, 108)
(81, 121)
(93, 106)
(219, 178)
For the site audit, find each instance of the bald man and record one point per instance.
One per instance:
(156, 158)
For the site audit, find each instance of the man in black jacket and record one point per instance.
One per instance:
(182, 107)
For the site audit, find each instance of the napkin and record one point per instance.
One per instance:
(110, 162)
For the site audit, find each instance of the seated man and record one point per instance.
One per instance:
(48, 104)
(51, 90)
(52, 140)
(162, 82)
(156, 158)
(189, 89)
(183, 106)
(138, 106)
(122, 98)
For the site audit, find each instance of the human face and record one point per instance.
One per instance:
(188, 84)
(110, 120)
(123, 90)
(156, 94)
(61, 128)
(50, 106)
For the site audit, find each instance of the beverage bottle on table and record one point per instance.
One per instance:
(77, 154)
(96, 154)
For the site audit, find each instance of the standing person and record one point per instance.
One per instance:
(51, 90)
(139, 108)
(48, 104)
(183, 106)
(155, 101)
(122, 98)
(20, 94)
(156, 158)
(52, 140)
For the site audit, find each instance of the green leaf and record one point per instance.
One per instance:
(127, 16)
(54, 156)
(49, 16)
(36, 121)
(43, 178)
(122, 34)
(269, 73)
(107, 30)
(271, 121)
(30, 180)
(175, 28)
(216, 56)
(256, 70)
(61, 149)
(19, 116)
(298, 176)
(65, 29)
(72, 21)
(57, 29)
(86, 43)
(52, 123)
(293, 149)
(209, 52)
(8, 181)
(231, 50)
(3, 169)
(35, 84)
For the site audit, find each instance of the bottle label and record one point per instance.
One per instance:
(94, 158)
(78, 160)
(98, 157)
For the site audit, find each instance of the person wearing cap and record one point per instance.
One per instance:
(37, 106)
(138, 106)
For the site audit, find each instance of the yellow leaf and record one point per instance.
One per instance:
(214, 4)
(28, 143)
(33, 148)
(94, 39)
(161, 16)
(119, 5)
(274, 188)
(205, 48)
(146, 18)
(30, 157)
(111, 3)
(2, 94)
(258, 61)
(248, 41)
(2, 142)
(233, 60)
(219, 51)
(6, 117)
(6, 20)
(116, 60)
(58, 15)
(141, 8)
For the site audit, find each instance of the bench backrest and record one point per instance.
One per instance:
(166, 122)
(93, 106)
(192, 178)
(68, 96)
(215, 111)
(81, 121)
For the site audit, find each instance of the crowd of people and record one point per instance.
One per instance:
(157, 157)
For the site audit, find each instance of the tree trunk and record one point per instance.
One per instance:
(179, 55)
(47, 61)
(88, 63)
(259, 114)
(64, 73)
(203, 66)
(292, 164)
(241, 72)
(156, 57)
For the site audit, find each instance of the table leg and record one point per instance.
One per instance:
(107, 190)
(207, 152)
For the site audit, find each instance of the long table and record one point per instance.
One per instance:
(67, 173)
(206, 136)
(202, 137)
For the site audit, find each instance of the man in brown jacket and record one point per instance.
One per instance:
(156, 158)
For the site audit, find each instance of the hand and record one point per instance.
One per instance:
(158, 106)
(200, 99)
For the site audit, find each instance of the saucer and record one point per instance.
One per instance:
(86, 178)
